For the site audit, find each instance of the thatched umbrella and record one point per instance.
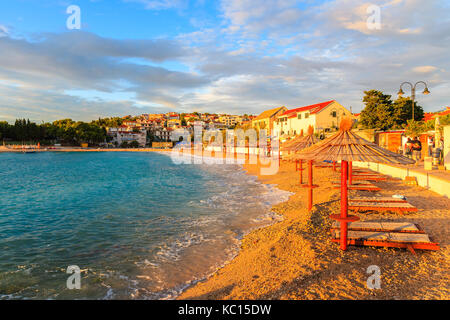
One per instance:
(288, 145)
(300, 144)
(346, 146)
(304, 143)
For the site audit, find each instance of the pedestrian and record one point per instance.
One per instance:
(416, 147)
(430, 142)
(408, 150)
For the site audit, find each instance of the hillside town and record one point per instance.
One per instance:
(161, 127)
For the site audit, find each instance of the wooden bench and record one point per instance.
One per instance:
(377, 199)
(371, 177)
(386, 234)
(399, 207)
(358, 185)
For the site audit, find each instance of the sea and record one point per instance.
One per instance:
(123, 225)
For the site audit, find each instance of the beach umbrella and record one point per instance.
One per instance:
(302, 143)
(346, 146)
(286, 146)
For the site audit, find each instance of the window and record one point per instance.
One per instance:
(299, 116)
(334, 114)
(306, 115)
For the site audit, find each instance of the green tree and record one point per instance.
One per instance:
(415, 128)
(377, 114)
(134, 144)
(402, 112)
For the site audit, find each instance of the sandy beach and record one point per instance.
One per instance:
(295, 258)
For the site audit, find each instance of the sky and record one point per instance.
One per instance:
(224, 56)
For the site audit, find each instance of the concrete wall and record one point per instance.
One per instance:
(447, 147)
(426, 180)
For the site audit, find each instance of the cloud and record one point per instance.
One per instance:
(4, 32)
(83, 61)
(259, 54)
(161, 4)
(424, 69)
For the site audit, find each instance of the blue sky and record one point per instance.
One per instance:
(225, 56)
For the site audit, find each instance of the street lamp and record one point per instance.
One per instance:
(413, 92)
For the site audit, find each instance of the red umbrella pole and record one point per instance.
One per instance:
(334, 165)
(344, 204)
(310, 183)
(279, 157)
(301, 171)
(350, 173)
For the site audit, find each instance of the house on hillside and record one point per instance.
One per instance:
(266, 119)
(323, 117)
(427, 116)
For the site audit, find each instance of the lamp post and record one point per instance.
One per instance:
(413, 92)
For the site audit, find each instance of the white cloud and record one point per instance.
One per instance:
(3, 31)
(262, 54)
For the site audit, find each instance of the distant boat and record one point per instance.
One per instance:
(28, 151)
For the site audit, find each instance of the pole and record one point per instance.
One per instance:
(350, 173)
(413, 97)
(279, 156)
(334, 165)
(310, 184)
(344, 204)
(301, 171)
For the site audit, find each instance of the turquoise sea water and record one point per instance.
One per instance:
(137, 225)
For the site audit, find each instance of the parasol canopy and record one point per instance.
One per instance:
(301, 143)
(348, 146)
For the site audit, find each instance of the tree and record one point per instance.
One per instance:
(415, 128)
(134, 144)
(402, 112)
(378, 111)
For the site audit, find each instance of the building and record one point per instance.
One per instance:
(122, 134)
(174, 123)
(163, 134)
(432, 115)
(265, 121)
(230, 120)
(323, 117)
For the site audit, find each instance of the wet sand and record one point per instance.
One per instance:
(295, 258)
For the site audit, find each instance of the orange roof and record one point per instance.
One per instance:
(431, 115)
(268, 113)
(314, 108)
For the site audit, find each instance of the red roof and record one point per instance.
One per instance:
(430, 115)
(314, 108)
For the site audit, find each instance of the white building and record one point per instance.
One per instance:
(323, 117)
(121, 135)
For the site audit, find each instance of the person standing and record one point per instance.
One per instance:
(430, 142)
(408, 148)
(416, 149)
